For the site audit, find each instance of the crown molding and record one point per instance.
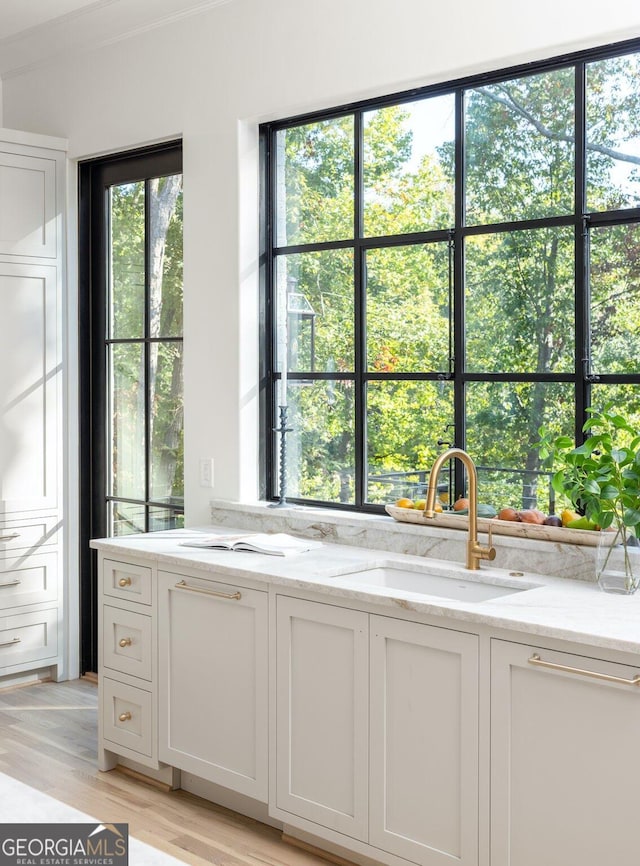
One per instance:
(102, 23)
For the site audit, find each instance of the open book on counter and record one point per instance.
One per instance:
(277, 544)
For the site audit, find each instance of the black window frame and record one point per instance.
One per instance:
(95, 177)
(581, 220)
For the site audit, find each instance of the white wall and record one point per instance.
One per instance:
(211, 78)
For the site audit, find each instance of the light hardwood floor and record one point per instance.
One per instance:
(48, 736)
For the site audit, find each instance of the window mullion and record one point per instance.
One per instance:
(360, 319)
(147, 359)
(458, 295)
(582, 348)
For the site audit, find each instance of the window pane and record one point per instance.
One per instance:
(520, 302)
(127, 260)
(166, 423)
(165, 518)
(625, 398)
(613, 133)
(165, 256)
(409, 166)
(127, 447)
(319, 301)
(615, 299)
(408, 309)
(125, 518)
(405, 421)
(502, 428)
(314, 182)
(320, 448)
(519, 145)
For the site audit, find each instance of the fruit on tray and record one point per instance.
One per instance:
(553, 520)
(568, 515)
(532, 515)
(461, 505)
(582, 523)
(508, 514)
(404, 502)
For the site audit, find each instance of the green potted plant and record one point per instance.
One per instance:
(601, 478)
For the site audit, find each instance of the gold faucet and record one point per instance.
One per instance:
(475, 551)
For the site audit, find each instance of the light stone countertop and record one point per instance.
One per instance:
(558, 608)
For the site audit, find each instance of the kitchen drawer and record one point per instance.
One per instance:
(28, 580)
(126, 642)
(28, 534)
(28, 637)
(127, 716)
(124, 580)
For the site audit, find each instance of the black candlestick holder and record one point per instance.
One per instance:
(282, 430)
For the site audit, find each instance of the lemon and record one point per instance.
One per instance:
(404, 503)
(568, 515)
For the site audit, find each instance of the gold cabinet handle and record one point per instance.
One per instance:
(124, 717)
(124, 581)
(236, 596)
(536, 660)
(11, 583)
(11, 642)
(125, 641)
(10, 537)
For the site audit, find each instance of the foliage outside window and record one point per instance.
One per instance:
(468, 260)
(145, 485)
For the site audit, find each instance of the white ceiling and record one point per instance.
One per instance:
(19, 15)
(36, 32)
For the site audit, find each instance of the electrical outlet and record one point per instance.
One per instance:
(206, 472)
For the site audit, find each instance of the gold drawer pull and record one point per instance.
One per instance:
(11, 642)
(124, 717)
(124, 581)
(10, 537)
(236, 596)
(11, 583)
(536, 660)
(125, 641)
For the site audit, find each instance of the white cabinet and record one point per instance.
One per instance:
(564, 762)
(412, 790)
(322, 714)
(29, 210)
(31, 371)
(424, 742)
(29, 388)
(213, 681)
(127, 696)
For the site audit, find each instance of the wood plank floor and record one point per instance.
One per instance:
(48, 735)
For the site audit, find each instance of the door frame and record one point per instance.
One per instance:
(95, 176)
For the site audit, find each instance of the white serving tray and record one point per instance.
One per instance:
(450, 520)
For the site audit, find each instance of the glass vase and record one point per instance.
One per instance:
(618, 562)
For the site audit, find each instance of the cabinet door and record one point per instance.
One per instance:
(30, 382)
(322, 714)
(28, 213)
(213, 681)
(424, 742)
(565, 766)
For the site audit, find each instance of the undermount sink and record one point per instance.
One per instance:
(427, 583)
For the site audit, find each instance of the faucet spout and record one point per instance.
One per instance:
(475, 551)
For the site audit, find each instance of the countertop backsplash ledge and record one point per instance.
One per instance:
(381, 532)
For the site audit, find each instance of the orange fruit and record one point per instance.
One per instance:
(404, 503)
(461, 504)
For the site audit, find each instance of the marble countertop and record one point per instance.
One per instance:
(553, 607)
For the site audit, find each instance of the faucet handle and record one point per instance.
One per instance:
(491, 551)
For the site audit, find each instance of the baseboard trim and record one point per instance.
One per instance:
(313, 849)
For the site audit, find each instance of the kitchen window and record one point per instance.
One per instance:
(455, 265)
